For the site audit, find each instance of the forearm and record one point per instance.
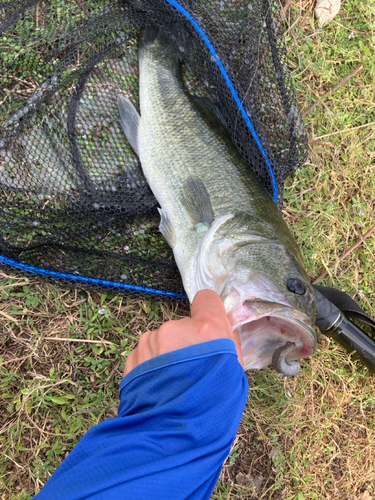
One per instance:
(178, 416)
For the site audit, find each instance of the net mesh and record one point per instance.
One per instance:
(74, 203)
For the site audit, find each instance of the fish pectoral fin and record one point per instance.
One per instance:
(166, 229)
(129, 119)
(196, 200)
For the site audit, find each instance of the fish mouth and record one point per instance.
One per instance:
(274, 334)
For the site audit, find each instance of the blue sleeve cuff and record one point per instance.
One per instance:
(196, 351)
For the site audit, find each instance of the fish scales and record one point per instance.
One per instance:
(225, 230)
(176, 136)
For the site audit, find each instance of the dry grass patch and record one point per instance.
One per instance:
(312, 436)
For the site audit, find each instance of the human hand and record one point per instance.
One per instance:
(208, 321)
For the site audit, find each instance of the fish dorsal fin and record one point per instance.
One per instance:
(196, 200)
(166, 229)
(129, 119)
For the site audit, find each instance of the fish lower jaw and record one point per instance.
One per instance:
(260, 338)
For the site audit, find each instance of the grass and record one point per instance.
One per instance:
(330, 201)
(312, 437)
(53, 389)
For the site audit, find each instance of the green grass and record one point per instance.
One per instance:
(330, 201)
(63, 354)
(312, 437)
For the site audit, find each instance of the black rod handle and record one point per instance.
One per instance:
(331, 321)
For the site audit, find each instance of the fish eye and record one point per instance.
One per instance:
(296, 286)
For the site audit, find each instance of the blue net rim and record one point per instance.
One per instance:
(87, 280)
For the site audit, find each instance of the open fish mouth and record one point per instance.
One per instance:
(274, 334)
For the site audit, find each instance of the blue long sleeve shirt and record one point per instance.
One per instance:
(177, 419)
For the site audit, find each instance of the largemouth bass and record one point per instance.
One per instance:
(226, 232)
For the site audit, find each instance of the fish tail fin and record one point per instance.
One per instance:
(150, 35)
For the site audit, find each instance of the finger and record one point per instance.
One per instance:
(237, 341)
(130, 362)
(140, 354)
(174, 335)
(209, 303)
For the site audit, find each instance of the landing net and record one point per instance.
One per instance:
(74, 204)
